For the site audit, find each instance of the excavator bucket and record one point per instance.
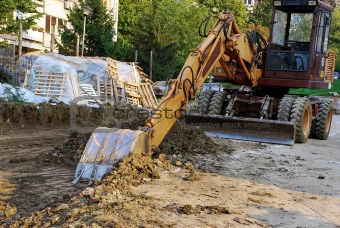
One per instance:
(105, 148)
(250, 129)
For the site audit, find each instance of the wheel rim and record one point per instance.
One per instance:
(306, 122)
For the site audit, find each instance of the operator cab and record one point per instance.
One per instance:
(297, 52)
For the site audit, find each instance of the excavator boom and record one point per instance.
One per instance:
(106, 147)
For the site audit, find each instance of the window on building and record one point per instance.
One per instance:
(53, 24)
(48, 24)
(60, 23)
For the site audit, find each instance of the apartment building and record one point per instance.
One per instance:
(40, 37)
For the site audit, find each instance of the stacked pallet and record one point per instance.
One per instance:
(112, 68)
(88, 94)
(140, 94)
(148, 97)
(50, 84)
(106, 92)
(132, 94)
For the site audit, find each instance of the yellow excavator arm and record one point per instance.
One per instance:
(107, 146)
(224, 39)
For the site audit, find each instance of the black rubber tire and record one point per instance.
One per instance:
(204, 101)
(216, 102)
(285, 108)
(312, 131)
(301, 115)
(323, 120)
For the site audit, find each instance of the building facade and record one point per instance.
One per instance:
(40, 37)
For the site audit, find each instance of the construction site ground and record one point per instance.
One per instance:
(234, 184)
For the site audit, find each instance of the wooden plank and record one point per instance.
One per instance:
(50, 75)
(47, 90)
(48, 95)
(46, 80)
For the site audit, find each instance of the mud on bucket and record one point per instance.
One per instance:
(105, 148)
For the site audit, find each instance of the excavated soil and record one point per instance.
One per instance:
(66, 152)
(106, 203)
(242, 183)
(77, 117)
(180, 144)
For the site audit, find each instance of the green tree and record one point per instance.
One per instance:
(99, 30)
(27, 11)
(262, 13)
(169, 29)
(237, 6)
(334, 37)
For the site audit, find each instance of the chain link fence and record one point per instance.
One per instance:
(7, 64)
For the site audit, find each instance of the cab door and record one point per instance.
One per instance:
(320, 46)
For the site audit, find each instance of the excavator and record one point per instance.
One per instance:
(296, 56)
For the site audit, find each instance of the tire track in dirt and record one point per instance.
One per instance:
(28, 182)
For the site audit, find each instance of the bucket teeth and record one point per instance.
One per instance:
(105, 148)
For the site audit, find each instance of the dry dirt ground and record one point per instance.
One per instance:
(27, 181)
(261, 184)
(244, 184)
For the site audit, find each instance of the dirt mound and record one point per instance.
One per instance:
(58, 115)
(183, 138)
(69, 153)
(110, 203)
(181, 142)
(33, 115)
(185, 144)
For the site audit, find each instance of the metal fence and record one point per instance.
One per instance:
(7, 63)
(7, 57)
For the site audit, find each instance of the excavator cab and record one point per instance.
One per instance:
(297, 53)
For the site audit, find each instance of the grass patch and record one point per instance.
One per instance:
(318, 92)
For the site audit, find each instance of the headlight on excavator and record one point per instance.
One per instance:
(277, 3)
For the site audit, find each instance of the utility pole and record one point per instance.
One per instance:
(52, 39)
(19, 16)
(136, 55)
(77, 45)
(86, 11)
(151, 65)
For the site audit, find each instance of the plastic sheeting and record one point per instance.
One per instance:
(8, 91)
(44, 65)
(79, 70)
(128, 73)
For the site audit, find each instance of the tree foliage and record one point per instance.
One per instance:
(99, 30)
(28, 9)
(334, 37)
(164, 29)
(169, 28)
(262, 13)
(237, 6)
